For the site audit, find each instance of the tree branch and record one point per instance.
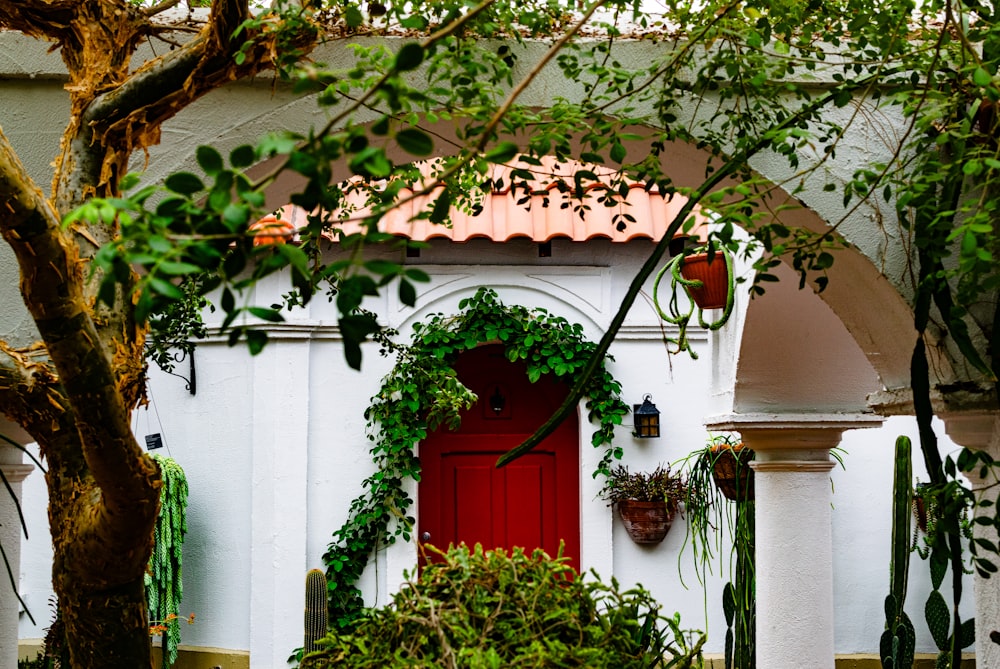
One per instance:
(52, 285)
(38, 18)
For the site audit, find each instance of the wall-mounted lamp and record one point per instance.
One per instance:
(497, 401)
(647, 419)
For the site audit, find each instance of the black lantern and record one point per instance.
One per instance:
(647, 419)
(497, 401)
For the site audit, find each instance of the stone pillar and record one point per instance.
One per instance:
(10, 538)
(980, 430)
(794, 546)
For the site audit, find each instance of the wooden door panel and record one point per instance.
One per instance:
(470, 492)
(531, 503)
(530, 517)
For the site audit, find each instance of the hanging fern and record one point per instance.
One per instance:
(423, 392)
(164, 587)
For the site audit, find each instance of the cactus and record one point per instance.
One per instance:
(316, 614)
(938, 614)
(938, 618)
(897, 644)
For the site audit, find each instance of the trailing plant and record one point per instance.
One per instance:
(479, 609)
(422, 393)
(679, 315)
(655, 486)
(707, 509)
(164, 583)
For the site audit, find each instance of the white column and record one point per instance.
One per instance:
(794, 547)
(279, 495)
(10, 538)
(980, 430)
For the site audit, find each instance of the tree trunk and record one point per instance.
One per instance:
(105, 629)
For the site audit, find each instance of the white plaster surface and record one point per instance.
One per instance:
(10, 538)
(794, 563)
(274, 447)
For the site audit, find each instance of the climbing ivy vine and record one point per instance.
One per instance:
(423, 393)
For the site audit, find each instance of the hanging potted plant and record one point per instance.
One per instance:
(646, 502)
(720, 495)
(705, 274)
(731, 470)
(707, 277)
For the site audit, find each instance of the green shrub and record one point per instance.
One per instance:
(487, 609)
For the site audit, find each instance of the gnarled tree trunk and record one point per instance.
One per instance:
(74, 390)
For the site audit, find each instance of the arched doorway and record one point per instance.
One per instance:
(533, 502)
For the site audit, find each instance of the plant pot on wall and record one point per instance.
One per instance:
(714, 278)
(647, 523)
(731, 470)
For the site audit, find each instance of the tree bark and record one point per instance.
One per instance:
(74, 391)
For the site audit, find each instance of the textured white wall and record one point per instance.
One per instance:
(245, 406)
(219, 435)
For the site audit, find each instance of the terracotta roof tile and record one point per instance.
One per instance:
(547, 214)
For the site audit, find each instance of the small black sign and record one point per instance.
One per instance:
(153, 441)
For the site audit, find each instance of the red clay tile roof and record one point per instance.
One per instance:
(543, 217)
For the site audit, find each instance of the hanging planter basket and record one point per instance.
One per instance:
(732, 473)
(646, 522)
(713, 292)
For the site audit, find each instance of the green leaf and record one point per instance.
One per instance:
(381, 126)
(165, 288)
(414, 22)
(242, 156)
(617, 152)
(256, 340)
(128, 182)
(266, 314)
(235, 216)
(407, 293)
(382, 267)
(296, 257)
(209, 160)
(502, 152)
(409, 57)
(414, 141)
(415, 274)
(355, 330)
(981, 77)
(937, 617)
(177, 268)
(442, 207)
(184, 183)
(371, 161)
(353, 17)
(228, 300)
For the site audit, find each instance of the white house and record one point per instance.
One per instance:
(275, 445)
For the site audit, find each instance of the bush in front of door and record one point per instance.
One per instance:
(488, 609)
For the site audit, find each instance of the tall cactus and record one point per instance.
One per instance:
(899, 639)
(316, 614)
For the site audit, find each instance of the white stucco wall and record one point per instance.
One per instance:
(274, 448)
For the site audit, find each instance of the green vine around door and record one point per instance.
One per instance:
(423, 393)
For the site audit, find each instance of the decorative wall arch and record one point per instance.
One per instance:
(422, 392)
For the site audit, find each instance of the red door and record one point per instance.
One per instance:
(532, 502)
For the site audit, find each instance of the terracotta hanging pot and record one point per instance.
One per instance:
(271, 230)
(646, 522)
(714, 277)
(731, 471)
